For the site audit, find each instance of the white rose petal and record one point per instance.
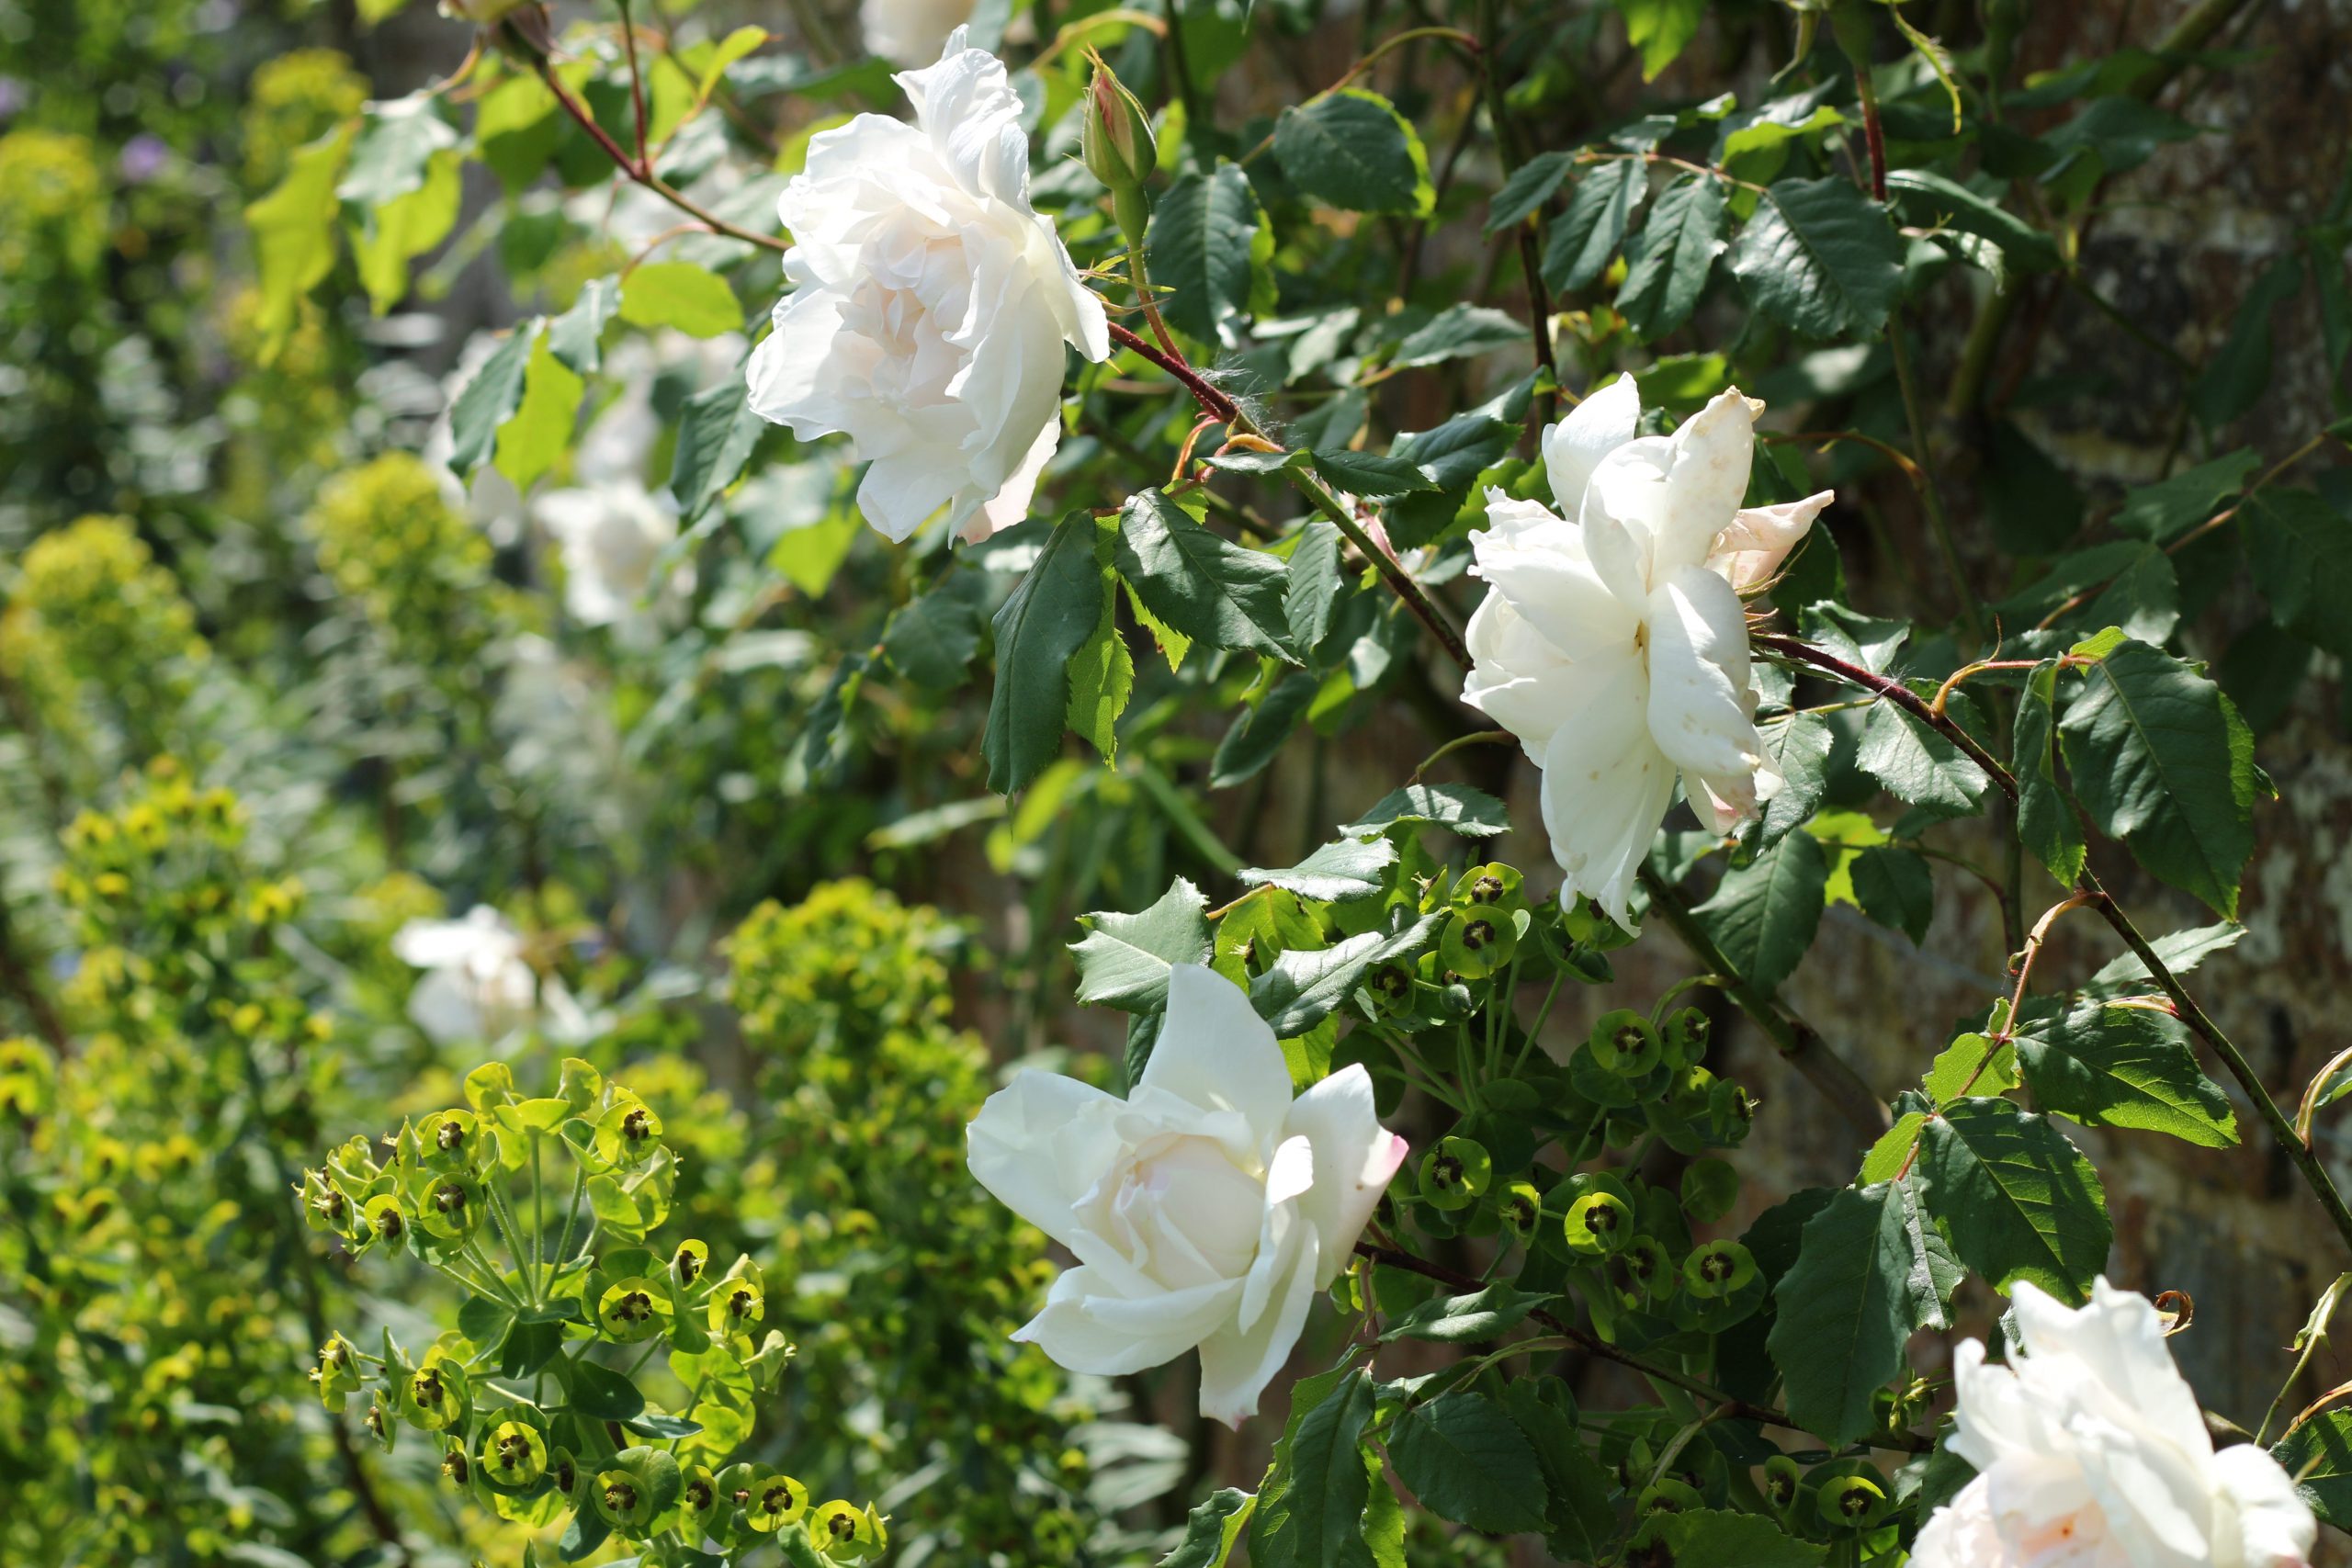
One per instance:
(477, 985)
(611, 537)
(930, 305)
(1205, 1210)
(2091, 1452)
(1612, 640)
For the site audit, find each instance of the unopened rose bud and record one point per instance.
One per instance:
(1118, 146)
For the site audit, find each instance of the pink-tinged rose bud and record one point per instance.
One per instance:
(1116, 137)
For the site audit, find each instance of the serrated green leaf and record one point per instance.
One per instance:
(2018, 1199)
(1764, 915)
(717, 431)
(1454, 332)
(1352, 150)
(2179, 952)
(1895, 889)
(1870, 1271)
(1527, 188)
(1315, 1522)
(2318, 1456)
(386, 238)
(1302, 988)
(1465, 1319)
(1929, 199)
(1344, 868)
(1918, 764)
(1372, 475)
(1585, 238)
(1122, 960)
(1205, 586)
(1972, 1063)
(577, 337)
(2300, 550)
(1821, 258)
(932, 640)
(1257, 733)
(2160, 760)
(1669, 268)
(1579, 1520)
(1473, 813)
(1039, 628)
(2046, 822)
(1465, 1459)
(2161, 513)
(1312, 591)
(1798, 744)
(1210, 249)
(1702, 1538)
(2106, 1066)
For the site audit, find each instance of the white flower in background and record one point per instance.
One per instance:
(930, 303)
(911, 32)
(2091, 1453)
(477, 985)
(1612, 640)
(1206, 1209)
(611, 537)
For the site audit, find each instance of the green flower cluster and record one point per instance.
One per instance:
(537, 1401)
(902, 1277)
(149, 1326)
(93, 616)
(293, 100)
(52, 207)
(391, 543)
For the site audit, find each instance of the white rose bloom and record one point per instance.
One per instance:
(1206, 1209)
(1612, 640)
(2091, 1453)
(611, 537)
(477, 985)
(911, 32)
(929, 306)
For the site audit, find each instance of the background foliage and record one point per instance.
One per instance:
(305, 323)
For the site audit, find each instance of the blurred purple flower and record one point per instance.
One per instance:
(143, 156)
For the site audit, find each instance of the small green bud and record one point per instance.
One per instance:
(1649, 1267)
(1670, 1496)
(1477, 942)
(1687, 1034)
(1781, 1477)
(1116, 142)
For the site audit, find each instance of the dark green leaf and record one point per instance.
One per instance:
(1353, 150)
(2233, 380)
(1302, 987)
(1579, 1522)
(1483, 1315)
(1818, 256)
(1585, 238)
(1464, 1457)
(2160, 760)
(489, 401)
(2018, 1199)
(2179, 952)
(1209, 247)
(1798, 744)
(1312, 589)
(1040, 627)
(1528, 187)
(1764, 915)
(1718, 1538)
(1918, 764)
(1454, 332)
(2300, 550)
(1373, 476)
(2122, 132)
(1313, 1522)
(1928, 199)
(717, 431)
(1200, 582)
(2106, 1065)
(2161, 513)
(1455, 454)
(1211, 1529)
(2318, 1454)
(932, 640)
(2046, 821)
(1260, 732)
(1896, 889)
(1676, 251)
(1870, 1271)
(603, 1394)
